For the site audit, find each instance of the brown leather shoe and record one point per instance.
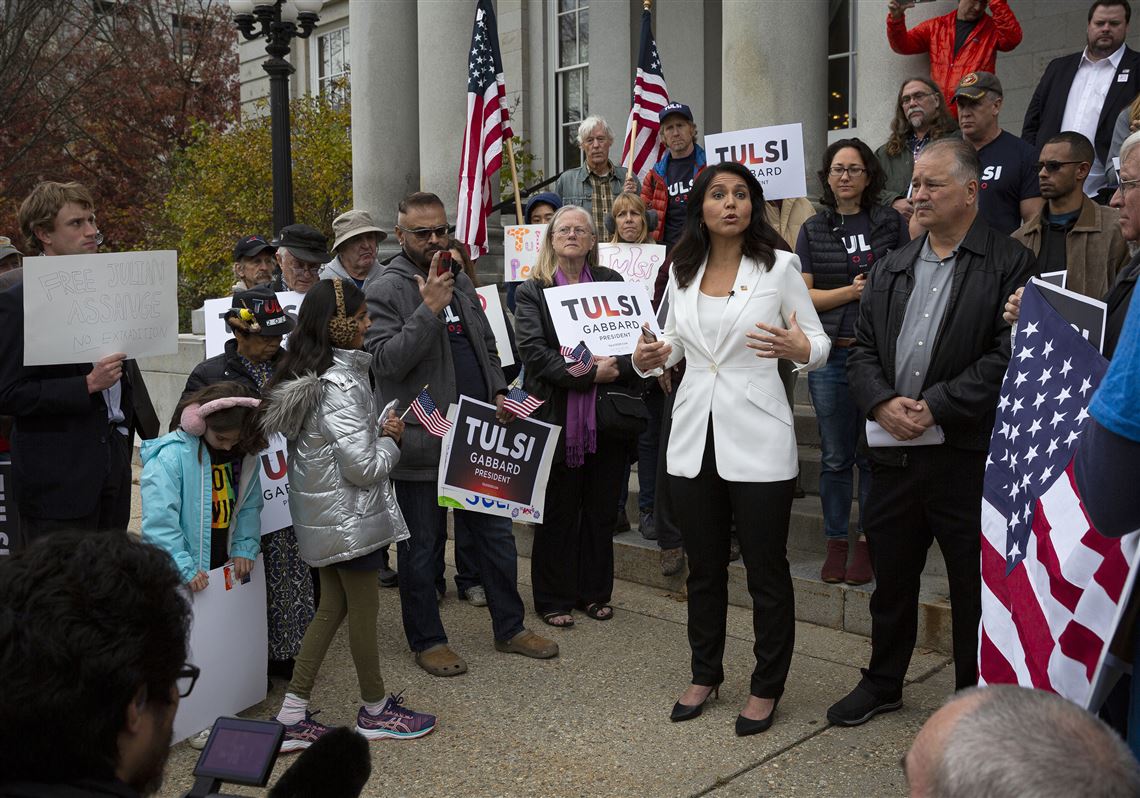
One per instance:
(441, 661)
(835, 566)
(528, 644)
(672, 561)
(860, 572)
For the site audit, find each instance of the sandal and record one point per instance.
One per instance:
(549, 618)
(599, 611)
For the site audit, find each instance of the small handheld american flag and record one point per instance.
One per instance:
(581, 359)
(428, 415)
(518, 401)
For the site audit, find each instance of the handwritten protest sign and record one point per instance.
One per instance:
(229, 641)
(81, 308)
(521, 243)
(774, 154)
(218, 332)
(493, 468)
(493, 307)
(636, 263)
(607, 316)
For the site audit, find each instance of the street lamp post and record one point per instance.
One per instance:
(279, 23)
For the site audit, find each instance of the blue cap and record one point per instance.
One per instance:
(676, 108)
(543, 197)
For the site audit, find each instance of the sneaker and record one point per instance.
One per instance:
(302, 734)
(672, 561)
(646, 526)
(860, 706)
(394, 721)
(388, 578)
(198, 741)
(476, 596)
(834, 568)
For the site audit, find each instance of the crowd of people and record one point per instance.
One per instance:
(896, 297)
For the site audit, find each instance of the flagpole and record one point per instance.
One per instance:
(632, 143)
(409, 407)
(515, 182)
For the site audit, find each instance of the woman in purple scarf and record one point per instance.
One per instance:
(572, 564)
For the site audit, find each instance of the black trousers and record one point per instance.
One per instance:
(706, 506)
(572, 562)
(664, 512)
(113, 510)
(937, 495)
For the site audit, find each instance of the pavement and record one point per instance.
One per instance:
(594, 721)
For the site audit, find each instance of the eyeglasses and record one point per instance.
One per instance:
(301, 267)
(1053, 166)
(853, 171)
(563, 232)
(425, 233)
(187, 678)
(1126, 185)
(917, 97)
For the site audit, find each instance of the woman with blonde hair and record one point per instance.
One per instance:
(630, 220)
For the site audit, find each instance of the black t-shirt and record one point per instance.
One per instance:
(225, 475)
(1009, 175)
(679, 173)
(962, 31)
(855, 233)
(1054, 230)
(468, 373)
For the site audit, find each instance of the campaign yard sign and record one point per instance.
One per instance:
(774, 154)
(81, 308)
(275, 485)
(218, 332)
(495, 468)
(607, 316)
(636, 263)
(521, 245)
(493, 308)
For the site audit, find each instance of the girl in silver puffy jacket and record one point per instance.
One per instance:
(344, 510)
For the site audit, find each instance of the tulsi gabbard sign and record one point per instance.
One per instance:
(775, 155)
(494, 468)
(607, 316)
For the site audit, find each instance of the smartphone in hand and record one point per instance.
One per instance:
(446, 263)
(649, 335)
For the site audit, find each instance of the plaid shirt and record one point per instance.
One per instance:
(603, 199)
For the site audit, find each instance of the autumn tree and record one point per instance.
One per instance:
(223, 188)
(106, 92)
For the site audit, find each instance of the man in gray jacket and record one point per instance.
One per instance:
(356, 240)
(429, 328)
(595, 183)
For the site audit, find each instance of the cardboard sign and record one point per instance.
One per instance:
(275, 485)
(607, 316)
(81, 308)
(493, 308)
(229, 641)
(218, 332)
(1086, 316)
(494, 468)
(636, 263)
(521, 244)
(774, 154)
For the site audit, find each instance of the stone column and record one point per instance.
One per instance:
(385, 110)
(679, 26)
(610, 83)
(774, 65)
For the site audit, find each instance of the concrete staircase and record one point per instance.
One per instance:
(837, 606)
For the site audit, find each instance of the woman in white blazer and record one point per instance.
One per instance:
(736, 306)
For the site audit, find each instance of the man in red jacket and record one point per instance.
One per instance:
(963, 41)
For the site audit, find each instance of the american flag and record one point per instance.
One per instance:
(428, 415)
(581, 359)
(1051, 584)
(650, 95)
(488, 125)
(518, 401)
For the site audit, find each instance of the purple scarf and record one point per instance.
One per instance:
(581, 422)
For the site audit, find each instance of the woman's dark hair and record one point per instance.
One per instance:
(760, 238)
(230, 419)
(309, 348)
(875, 177)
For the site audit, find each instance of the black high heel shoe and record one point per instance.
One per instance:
(748, 726)
(688, 712)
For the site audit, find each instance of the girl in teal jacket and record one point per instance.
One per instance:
(201, 484)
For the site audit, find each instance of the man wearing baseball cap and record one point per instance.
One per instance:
(10, 257)
(356, 238)
(301, 251)
(666, 187)
(253, 262)
(1009, 193)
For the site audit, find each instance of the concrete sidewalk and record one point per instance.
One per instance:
(594, 721)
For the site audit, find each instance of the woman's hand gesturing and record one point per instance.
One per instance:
(776, 342)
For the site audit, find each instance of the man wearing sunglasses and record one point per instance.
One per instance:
(113, 604)
(1072, 233)
(428, 328)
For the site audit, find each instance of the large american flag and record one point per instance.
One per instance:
(650, 95)
(488, 124)
(1051, 584)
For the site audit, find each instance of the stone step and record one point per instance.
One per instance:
(807, 430)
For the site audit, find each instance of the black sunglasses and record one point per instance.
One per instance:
(1053, 166)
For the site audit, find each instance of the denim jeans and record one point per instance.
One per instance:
(839, 426)
(494, 547)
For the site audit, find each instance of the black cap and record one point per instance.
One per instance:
(269, 318)
(248, 246)
(305, 242)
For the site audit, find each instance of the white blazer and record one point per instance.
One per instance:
(755, 437)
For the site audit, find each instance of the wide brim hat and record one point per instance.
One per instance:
(354, 223)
